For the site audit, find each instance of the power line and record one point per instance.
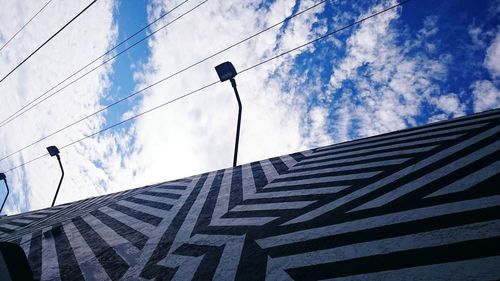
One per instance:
(98, 111)
(50, 38)
(22, 27)
(6, 121)
(160, 81)
(215, 82)
(15, 115)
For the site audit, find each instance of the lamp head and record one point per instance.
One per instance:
(2, 176)
(225, 71)
(53, 150)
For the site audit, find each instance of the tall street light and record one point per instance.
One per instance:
(226, 71)
(54, 151)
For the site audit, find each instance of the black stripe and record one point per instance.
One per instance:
(6, 230)
(112, 263)
(236, 195)
(152, 269)
(173, 187)
(153, 204)
(402, 134)
(253, 262)
(68, 265)
(35, 255)
(161, 194)
(135, 237)
(298, 156)
(207, 210)
(385, 231)
(21, 224)
(145, 217)
(259, 176)
(279, 165)
(207, 267)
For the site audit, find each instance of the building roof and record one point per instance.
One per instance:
(421, 203)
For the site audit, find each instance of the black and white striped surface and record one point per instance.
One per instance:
(418, 204)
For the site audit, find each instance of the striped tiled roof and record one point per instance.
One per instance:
(417, 204)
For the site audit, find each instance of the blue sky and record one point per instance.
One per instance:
(425, 62)
(451, 41)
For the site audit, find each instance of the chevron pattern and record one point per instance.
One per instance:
(422, 203)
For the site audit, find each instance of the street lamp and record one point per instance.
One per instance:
(226, 71)
(54, 151)
(4, 178)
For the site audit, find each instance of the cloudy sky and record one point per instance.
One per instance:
(424, 62)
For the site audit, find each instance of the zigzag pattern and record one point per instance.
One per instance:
(420, 203)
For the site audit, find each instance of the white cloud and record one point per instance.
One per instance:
(492, 59)
(450, 104)
(197, 134)
(381, 86)
(486, 95)
(33, 186)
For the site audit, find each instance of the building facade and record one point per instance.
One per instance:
(417, 204)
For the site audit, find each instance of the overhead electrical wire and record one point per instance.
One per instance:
(161, 80)
(47, 41)
(24, 26)
(21, 110)
(215, 82)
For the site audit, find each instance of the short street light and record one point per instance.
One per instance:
(226, 71)
(54, 151)
(4, 178)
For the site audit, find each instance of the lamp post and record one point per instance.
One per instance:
(54, 151)
(226, 71)
(4, 178)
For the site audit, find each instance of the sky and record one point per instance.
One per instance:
(423, 62)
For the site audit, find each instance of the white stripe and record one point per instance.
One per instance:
(469, 181)
(475, 269)
(26, 243)
(396, 176)
(36, 216)
(50, 265)
(23, 221)
(430, 177)
(289, 161)
(404, 152)
(315, 180)
(357, 151)
(241, 221)
(123, 247)
(138, 225)
(9, 226)
(272, 206)
(351, 167)
(378, 221)
(88, 262)
(390, 245)
(186, 266)
(298, 192)
(418, 132)
(228, 263)
(143, 208)
(163, 190)
(399, 138)
(156, 198)
(269, 170)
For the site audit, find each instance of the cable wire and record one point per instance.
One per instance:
(15, 115)
(160, 81)
(98, 111)
(24, 26)
(47, 41)
(215, 82)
